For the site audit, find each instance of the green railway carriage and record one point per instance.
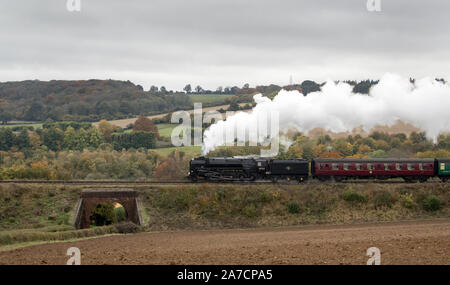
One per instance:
(443, 168)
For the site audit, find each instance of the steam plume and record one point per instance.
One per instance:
(425, 104)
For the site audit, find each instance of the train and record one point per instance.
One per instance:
(251, 169)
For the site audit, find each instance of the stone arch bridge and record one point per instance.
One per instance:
(90, 198)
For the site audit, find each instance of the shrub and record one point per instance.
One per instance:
(293, 207)
(276, 196)
(383, 199)
(174, 166)
(126, 227)
(250, 211)
(354, 197)
(431, 203)
(220, 194)
(103, 214)
(407, 201)
(120, 213)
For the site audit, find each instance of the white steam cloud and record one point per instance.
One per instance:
(335, 108)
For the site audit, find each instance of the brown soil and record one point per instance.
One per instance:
(425, 242)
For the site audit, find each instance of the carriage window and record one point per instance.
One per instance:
(358, 166)
(398, 166)
(387, 166)
(442, 166)
(420, 166)
(410, 166)
(335, 166)
(346, 166)
(369, 166)
(323, 166)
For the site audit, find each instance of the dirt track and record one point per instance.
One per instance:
(400, 243)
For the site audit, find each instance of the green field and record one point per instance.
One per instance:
(209, 98)
(165, 130)
(13, 124)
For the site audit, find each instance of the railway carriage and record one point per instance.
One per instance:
(443, 168)
(384, 168)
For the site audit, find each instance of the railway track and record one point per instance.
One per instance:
(94, 182)
(186, 182)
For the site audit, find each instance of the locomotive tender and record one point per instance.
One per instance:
(223, 169)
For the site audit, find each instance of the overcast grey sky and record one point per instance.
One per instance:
(222, 42)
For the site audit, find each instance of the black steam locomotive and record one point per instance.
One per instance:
(247, 169)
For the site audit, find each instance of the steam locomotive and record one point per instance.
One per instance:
(222, 169)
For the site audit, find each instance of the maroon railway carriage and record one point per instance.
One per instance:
(380, 168)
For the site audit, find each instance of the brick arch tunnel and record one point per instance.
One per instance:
(90, 198)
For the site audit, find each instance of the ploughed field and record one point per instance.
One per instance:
(415, 242)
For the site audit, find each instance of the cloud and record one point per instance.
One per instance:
(223, 42)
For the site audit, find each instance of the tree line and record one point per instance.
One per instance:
(78, 136)
(93, 100)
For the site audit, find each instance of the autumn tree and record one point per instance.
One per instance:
(53, 138)
(144, 124)
(70, 138)
(23, 140)
(295, 151)
(330, 154)
(106, 129)
(94, 137)
(35, 140)
(172, 167)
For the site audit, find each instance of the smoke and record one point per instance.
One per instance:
(336, 108)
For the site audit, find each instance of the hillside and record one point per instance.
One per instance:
(94, 100)
(87, 100)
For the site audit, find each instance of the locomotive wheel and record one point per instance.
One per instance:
(242, 177)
